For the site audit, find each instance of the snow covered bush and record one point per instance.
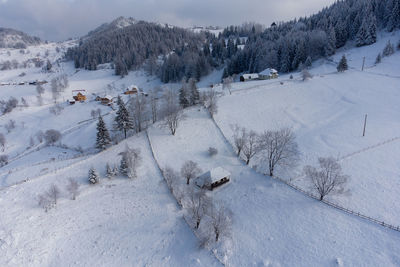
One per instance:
(93, 176)
(328, 178)
(8, 106)
(305, 75)
(212, 151)
(48, 199)
(56, 109)
(111, 171)
(378, 59)
(10, 125)
(388, 50)
(130, 161)
(52, 136)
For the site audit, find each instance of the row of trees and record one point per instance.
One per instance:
(278, 148)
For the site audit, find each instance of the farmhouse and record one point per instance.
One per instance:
(249, 77)
(131, 90)
(79, 95)
(107, 100)
(269, 74)
(213, 178)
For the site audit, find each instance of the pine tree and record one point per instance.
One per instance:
(378, 59)
(183, 97)
(342, 66)
(308, 62)
(363, 34)
(103, 137)
(194, 92)
(123, 166)
(394, 18)
(330, 47)
(388, 50)
(93, 176)
(123, 120)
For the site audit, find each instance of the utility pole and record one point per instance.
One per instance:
(362, 69)
(365, 124)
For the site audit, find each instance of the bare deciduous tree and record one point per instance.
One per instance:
(73, 188)
(328, 178)
(172, 112)
(138, 106)
(305, 74)
(171, 177)
(279, 148)
(53, 193)
(52, 136)
(130, 162)
(153, 95)
(190, 170)
(227, 83)
(221, 221)
(211, 102)
(197, 206)
(10, 125)
(3, 160)
(250, 147)
(239, 137)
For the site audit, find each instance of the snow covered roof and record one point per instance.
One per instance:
(212, 176)
(131, 87)
(269, 71)
(250, 76)
(108, 97)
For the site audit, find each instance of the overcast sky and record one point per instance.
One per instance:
(60, 19)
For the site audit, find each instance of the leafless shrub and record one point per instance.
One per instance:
(190, 170)
(306, 75)
(171, 177)
(328, 178)
(48, 199)
(45, 203)
(40, 136)
(279, 148)
(73, 188)
(56, 109)
(53, 193)
(52, 136)
(212, 151)
(227, 83)
(10, 105)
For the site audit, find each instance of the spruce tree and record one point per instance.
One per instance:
(308, 62)
(93, 176)
(183, 97)
(123, 120)
(103, 137)
(342, 66)
(194, 92)
(330, 48)
(378, 59)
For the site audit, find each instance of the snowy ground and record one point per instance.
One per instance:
(272, 224)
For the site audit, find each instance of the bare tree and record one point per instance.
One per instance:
(328, 178)
(53, 193)
(239, 137)
(40, 136)
(211, 102)
(190, 170)
(52, 136)
(55, 89)
(2, 142)
(3, 160)
(305, 74)
(279, 148)
(73, 188)
(171, 177)
(250, 147)
(227, 83)
(10, 125)
(172, 112)
(44, 202)
(138, 106)
(153, 95)
(221, 221)
(198, 206)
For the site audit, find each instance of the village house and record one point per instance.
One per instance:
(79, 95)
(269, 74)
(131, 90)
(213, 178)
(107, 100)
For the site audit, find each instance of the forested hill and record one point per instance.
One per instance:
(10, 38)
(174, 53)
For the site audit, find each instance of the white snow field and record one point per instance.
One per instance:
(274, 225)
(118, 222)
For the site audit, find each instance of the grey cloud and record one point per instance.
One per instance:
(61, 19)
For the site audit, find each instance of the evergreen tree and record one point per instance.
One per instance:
(194, 92)
(123, 120)
(183, 96)
(388, 50)
(378, 59)
(330, 47)
(342, 66)
(394, 18)
(93, 176)
(308, 62)
(103, 137)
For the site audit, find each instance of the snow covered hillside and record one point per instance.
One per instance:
(137, 222)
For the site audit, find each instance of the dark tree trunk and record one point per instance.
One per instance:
(248, 161)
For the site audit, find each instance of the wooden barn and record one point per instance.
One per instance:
(132, 90)
(79, 95)
(213, 178)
